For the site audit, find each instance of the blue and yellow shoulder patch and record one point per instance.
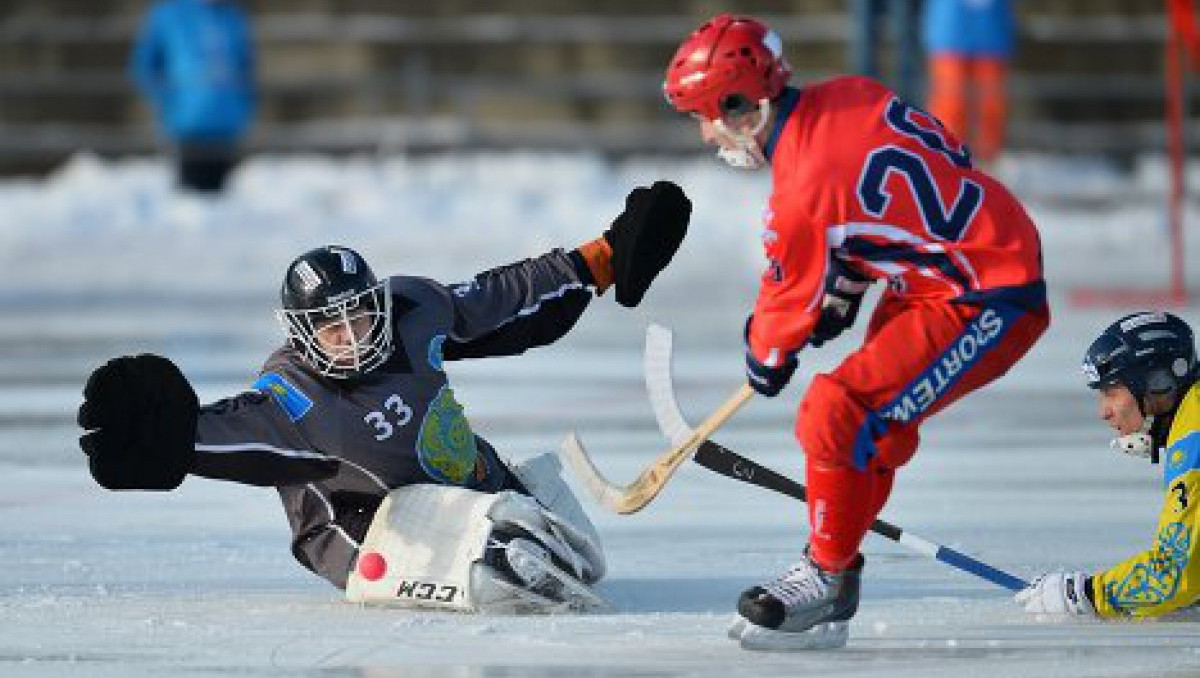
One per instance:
(286, 395)
(1182, 456)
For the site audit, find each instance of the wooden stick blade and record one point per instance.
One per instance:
(631, 498)
(605, 493)
(616, 498)
(622, 499)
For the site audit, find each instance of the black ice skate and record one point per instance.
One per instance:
(805, 609)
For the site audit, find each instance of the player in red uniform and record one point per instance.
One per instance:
(865, 187)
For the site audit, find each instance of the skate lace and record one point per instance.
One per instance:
(801, 583)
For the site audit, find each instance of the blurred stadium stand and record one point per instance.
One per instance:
(372, 75)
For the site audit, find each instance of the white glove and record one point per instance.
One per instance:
(1058, 593)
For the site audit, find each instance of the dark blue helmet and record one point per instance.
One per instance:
(1151, 352)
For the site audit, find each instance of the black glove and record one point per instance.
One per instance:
(844, 290)
(139, 414)
(768, 381)
(645, 236)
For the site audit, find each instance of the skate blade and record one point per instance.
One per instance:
(827, 636)
(523, 601)
(578, 596)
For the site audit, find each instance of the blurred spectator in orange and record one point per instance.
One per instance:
(970, 43)
(194, 63)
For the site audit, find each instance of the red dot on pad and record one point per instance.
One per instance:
(372, 566)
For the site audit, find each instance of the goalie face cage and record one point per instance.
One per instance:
(345, 339)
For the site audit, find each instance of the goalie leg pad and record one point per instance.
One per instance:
(441, 547)
(420, 546)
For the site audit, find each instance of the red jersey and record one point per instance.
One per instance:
(861, 175)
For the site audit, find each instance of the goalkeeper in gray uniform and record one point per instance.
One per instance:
(389, 493)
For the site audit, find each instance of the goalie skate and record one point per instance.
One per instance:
(532, 566)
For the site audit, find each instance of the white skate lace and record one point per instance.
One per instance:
(801, 583)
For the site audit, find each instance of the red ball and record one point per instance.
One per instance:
(372, 566)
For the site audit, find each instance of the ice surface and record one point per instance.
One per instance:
(103, 259)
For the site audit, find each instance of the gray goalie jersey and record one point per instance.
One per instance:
(335, 448)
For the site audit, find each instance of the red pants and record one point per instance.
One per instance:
(858, 424)
(967, 93)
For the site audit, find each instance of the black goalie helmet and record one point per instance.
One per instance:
(336, 313)
(1150, 352)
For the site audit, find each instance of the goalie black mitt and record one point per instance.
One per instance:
(139, 419)
(645, 236)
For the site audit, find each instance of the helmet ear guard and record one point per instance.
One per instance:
(1161, 381)
(736, 104)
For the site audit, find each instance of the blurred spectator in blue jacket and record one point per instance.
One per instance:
(194, 63)
(970, 44)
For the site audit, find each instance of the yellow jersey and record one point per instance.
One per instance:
(1167, 576)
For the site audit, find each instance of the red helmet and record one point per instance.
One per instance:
(727, 66)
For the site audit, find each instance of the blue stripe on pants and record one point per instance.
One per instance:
(978, 338)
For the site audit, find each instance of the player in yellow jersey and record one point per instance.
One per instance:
(1144, 369)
